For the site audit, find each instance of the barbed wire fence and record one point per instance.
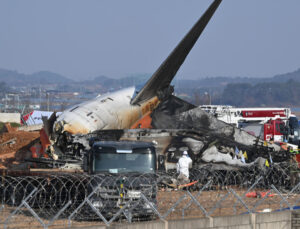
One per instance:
(65, 200)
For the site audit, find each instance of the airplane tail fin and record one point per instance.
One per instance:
(163, 76)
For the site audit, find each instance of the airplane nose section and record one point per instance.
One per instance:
(73, 124)
(76, 128)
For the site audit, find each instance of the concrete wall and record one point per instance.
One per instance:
(275, 220)
(31, 128)
(10, 117)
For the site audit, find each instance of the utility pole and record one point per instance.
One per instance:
(47, 101)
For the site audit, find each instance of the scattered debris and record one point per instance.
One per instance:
(257, 194)
(13, 154)
(9, 128)
(10, 141)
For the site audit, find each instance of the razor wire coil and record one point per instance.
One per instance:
(121, 195)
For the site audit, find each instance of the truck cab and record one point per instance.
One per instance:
(275, 130)
(119, 157)
(279, 131)
(122, 171)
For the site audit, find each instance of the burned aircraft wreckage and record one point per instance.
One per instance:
(174, 125)
(177, 126)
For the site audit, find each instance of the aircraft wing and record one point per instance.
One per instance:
(163, 76)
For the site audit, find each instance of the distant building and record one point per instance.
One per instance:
(34, 106)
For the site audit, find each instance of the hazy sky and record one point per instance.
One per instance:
(116, 38)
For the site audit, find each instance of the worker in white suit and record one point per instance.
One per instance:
(183, 165)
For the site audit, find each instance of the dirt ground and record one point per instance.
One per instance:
(18, 147)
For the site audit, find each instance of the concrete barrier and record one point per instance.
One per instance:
(31, 128)
(10, 117)
(273, 220)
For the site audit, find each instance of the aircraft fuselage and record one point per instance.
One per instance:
(108, 111)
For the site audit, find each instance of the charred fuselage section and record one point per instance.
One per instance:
(170, 143)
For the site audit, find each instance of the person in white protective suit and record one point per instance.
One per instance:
(183, 165)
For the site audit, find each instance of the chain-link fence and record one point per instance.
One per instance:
(64, 200)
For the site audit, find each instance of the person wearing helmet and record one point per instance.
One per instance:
(183, 165)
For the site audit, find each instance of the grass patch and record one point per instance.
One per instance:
(14, 124)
